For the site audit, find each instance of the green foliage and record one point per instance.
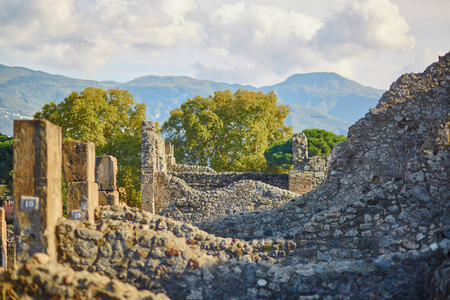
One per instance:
(279, 157)
(320, 142)
(6, 159)
(113, 122)
(6, 168)
(227, 131)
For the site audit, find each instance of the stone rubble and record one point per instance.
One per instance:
(378, 227)
(41, 278)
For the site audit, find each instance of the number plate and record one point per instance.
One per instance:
(29, 203)
(77, 215)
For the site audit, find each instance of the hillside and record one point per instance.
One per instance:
(328, 93)
(317, 100)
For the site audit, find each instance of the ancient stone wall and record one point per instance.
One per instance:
(367, 232)
(200, 180)
(163, 255)
(387, 188)
(307, 172)
(161, 176)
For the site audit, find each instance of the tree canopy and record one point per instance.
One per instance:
(6, 159)
(6, 168)
(320, 142)
(112, 121)
(227, 131)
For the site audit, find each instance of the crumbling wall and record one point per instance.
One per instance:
(162, 255)
(209, 180)
(307, 172)
(387, 188)
(198, 206)
(161, 178)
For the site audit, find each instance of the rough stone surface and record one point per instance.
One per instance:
(40, 278)
(387, 186)
(78, 161)
(105, 172)
(108, 197)
(37, 173)
(198, 206)
(378, 227)
(82, 195)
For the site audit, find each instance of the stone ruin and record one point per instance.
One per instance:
(197, 194)
(378, 227)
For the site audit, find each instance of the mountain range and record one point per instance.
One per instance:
(316, 100)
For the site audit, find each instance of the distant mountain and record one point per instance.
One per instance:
(164, 93)
(317, 100)
(328, 93)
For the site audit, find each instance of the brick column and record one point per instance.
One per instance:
(37, 186)
(79, 173)
(3, 239)
(105, 176)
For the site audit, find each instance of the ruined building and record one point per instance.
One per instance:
(378, 227)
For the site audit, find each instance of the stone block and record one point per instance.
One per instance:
(105, 172)
(147, 190)
(37, 174)
(78, 161)
(108, 197)
(82, 195)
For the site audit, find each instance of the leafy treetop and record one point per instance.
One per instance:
(320, 142)
(112, 121)
(227, 131)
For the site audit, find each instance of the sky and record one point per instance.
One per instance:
(256, 42)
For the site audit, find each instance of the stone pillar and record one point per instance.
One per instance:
(79, 173)
(148, 166)
(37, 186)
(105, 175)
(3, 239)
(299, 149)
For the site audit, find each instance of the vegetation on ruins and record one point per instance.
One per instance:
(6, 167)
(227, 131)
(320, 142)
(110, 119)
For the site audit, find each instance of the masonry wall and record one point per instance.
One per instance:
(387, 186)
(211, 180)
(221, 192)
(163, 255)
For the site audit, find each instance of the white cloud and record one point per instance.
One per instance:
(82, 33)
(359, 28)
(254, 42)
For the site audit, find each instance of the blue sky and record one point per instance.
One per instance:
(253, 42)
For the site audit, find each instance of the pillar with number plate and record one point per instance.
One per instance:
(37, 186)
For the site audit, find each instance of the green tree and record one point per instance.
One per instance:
(320, 142)
(112, 121)
(6, 159)
(6, 168)
(279, 157)
(227, 131)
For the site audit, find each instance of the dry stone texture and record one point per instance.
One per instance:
(37, 173)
